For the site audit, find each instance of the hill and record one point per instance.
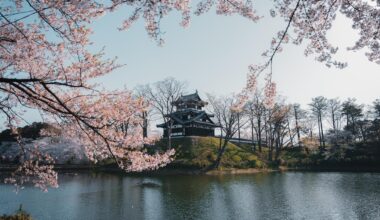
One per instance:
(201, 153)
(64, 151)
(31, 131)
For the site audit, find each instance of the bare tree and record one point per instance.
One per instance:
(161, 96)
(319, 107)
(300, 119)
(146, 113)
(277, 129)
(227, 117)
(296, 109)
(376, 108)
(255, 110)
(334, 108)
(353, 113)
(291, 129)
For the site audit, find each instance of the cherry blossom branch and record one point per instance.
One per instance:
(15, 26)
(278, 46)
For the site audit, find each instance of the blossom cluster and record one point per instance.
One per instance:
(35, 168)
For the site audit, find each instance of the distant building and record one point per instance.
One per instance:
(189, 119)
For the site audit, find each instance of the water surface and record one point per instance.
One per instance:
(290, 195)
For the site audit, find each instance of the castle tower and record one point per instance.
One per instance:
(189, 119)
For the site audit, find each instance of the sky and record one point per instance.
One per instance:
(214, 52)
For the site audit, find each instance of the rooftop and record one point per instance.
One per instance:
(194, 97)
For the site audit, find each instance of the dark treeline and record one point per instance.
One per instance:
(327, 122)
(341, 131)
(31, 131)
(324, 129)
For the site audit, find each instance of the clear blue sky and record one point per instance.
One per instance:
(213, 54)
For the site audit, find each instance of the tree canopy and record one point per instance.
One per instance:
(45, 63)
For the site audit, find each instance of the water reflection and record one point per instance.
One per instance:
(291, 195)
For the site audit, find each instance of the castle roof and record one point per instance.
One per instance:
(190, 98)
(176, 117)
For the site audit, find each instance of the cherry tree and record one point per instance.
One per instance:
(308, 21)
(45, 63)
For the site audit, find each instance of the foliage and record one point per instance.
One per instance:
(45, 63)
(29, 131)
(357, 156)
(201, 153)
(19, 215)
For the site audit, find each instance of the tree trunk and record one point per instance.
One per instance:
(253, 135)
(220, 139)
(270, 143)
(297, 128)
(290, 134)
(259, 133)
(353, 126)
(319, 132)
(364, 138)
(334, 127)
(270, 152)
(333, 121)
(145, 125)
(238, 121)
(277, 143)
(266, 132)
(323, 137)
(221, 152)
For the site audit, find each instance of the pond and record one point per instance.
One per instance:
(288, 195)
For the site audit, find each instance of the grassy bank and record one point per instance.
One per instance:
(359, 157)
(195, 155)
(201, 153)
(20, 214)
(198, 153)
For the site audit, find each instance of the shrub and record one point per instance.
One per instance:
(236, 158)
(19, 215)
(212, 157)
(307, 162)
(252, 163)
(244, 155)
(252, 158)
(259, 164)
(292, 162)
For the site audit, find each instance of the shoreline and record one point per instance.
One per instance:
(183, 171)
